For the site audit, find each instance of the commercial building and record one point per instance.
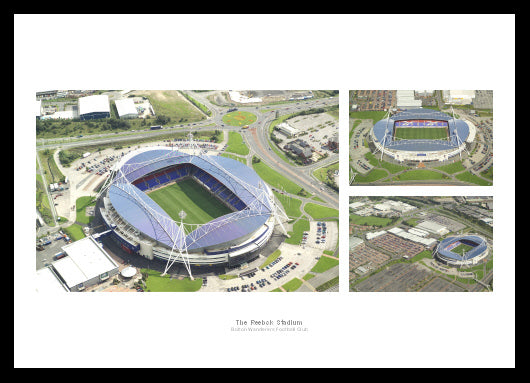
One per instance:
(94, 107)
(38, 109)
(405, 100)
(432, 227)
(458, 97)
(126, 108)
(333, 142)
(287, 130)
(298, 150)
(86, 264)
(354, 242)
(47, 281)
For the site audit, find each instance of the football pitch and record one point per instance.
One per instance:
(420, 133)
(462, 249)
(199, 205)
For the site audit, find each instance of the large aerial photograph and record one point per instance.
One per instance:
(171, 190)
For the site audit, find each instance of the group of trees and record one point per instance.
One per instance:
(67, 157)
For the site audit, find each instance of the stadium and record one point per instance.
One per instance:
(193, 209)
(422, 135)
(461, 251)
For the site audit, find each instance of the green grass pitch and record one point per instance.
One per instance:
(420, 133)
(200, 206)
(462, 249)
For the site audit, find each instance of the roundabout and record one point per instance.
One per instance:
(239, 118)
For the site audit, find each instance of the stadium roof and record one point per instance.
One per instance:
(383, 131)
(140, 211)
(94, 104)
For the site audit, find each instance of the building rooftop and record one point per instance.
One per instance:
(86, 259)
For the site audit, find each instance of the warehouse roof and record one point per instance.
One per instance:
(86, 260)
(125, 107)
(94, 104)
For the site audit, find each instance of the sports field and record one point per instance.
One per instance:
(420, 133)
(188, 195)
(462, 249)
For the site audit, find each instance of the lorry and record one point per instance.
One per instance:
(59, 255)
(155, 127)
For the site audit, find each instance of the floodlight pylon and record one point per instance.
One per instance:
(181, 254)
(456, 136)
(277, 211)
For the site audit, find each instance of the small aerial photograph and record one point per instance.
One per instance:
(198, 190)
(421, 137)
(421, 244)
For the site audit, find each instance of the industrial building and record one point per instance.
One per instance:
(86, 264)
(38, 109)
(288, 130)
(333, 142)
(126, 108)
(405, 100)
(47, 281)
(432, 227)
(94, 107)
(458, 97)
(298, 150)
(354, 242)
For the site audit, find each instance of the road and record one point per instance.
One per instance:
(256, 138)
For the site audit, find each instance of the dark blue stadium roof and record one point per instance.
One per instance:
(456, 128)
(480, 247)
(140, 211)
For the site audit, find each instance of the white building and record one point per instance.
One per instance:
(432, 227)
(287, 129)
(375, 234)
(94, 107)
(86, 264)
(424, 93)
(405, 100)
(354, 242)
(355, 205)
(47, 281)
(458, 97)
(38, 107)
(126, 108)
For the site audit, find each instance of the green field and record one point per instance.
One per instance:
(236, 144)
(188, 195)
(291, 205)
(372, 176)
(471, 178)
(421, 174)
(299, 227)
(462, 249)
(420, 133)
(324, 263)
(319, 211)
(80, 207)
(370, 220)
(157, 283)
(275, 179)
(326, 173)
